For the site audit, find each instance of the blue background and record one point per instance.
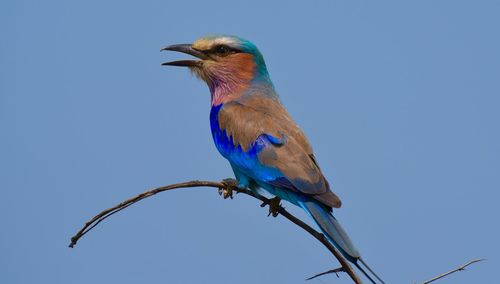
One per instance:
(400, 100)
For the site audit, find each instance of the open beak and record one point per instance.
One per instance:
(188, 49)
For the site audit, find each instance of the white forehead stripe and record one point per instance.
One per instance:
(208, 43)
(225, 40)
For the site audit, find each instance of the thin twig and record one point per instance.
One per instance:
(227, 186)
(461, 268)
(336, 271)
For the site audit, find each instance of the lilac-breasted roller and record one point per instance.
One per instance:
(254, 132)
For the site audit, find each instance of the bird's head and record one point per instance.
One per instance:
(227, 64)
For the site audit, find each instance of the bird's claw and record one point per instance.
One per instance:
(274, 206)
(229, 187)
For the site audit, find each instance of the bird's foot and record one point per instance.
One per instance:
(274, 206)
(230, 185)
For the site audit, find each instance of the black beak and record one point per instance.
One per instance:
(188, 49)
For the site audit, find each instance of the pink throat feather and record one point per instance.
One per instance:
(222, 91)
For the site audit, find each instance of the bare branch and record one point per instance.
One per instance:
(227, 187)
(110, 211)
(461, 268)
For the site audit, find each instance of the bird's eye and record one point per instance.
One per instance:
(222, 50)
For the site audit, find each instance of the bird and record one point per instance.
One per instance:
(268, 152)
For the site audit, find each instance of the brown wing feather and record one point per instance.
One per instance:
(246, 119)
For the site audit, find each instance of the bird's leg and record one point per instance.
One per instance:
(230, 186)
(241, 182)
(274, 206)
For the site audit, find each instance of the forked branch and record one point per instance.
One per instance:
(226, 188)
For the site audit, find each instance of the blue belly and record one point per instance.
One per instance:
(246, 164)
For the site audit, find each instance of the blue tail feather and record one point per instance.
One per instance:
(331, 228)
(336, 235)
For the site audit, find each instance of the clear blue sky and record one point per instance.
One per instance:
(400, 102)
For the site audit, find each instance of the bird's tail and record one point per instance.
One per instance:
(336, 235)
